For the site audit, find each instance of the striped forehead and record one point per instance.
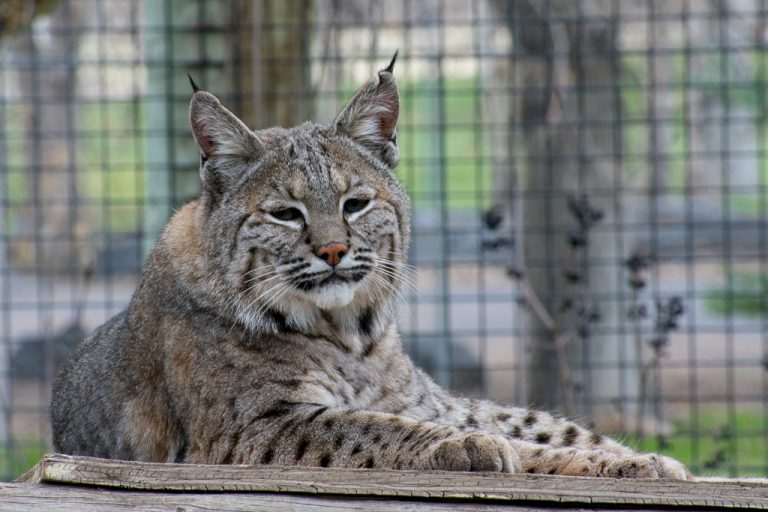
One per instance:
(312, 172)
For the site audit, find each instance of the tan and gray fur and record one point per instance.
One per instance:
(263, 328)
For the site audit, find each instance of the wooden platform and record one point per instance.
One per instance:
(61, 482)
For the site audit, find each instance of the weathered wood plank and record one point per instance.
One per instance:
(527, 490)
(64, 498)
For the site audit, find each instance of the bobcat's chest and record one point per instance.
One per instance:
(344, 384)
(355, 379)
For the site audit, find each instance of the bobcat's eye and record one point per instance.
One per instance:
(355, 205)
(287, 214)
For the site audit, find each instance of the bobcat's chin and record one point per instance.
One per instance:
(333, 295)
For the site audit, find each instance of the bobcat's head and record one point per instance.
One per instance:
(307, 219)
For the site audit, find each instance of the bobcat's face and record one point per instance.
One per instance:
(307, 217)
(323, 225)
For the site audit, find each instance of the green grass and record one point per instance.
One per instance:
(749, 296)
(17, 459)
(715, 444)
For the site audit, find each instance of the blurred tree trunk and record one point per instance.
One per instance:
(277, 52)
(252, 55)
(567, 72)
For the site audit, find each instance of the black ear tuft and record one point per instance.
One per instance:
(195, 88)
(391, 67)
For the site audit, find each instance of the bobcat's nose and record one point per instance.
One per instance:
(332, 253)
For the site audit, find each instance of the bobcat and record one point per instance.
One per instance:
(263, 327)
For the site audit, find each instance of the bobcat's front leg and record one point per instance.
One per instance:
(551, 445)
(597, 462)
(314, 435)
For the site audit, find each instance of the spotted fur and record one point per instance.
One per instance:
(244, 344)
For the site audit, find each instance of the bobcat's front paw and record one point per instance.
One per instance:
(475, 452)
(648, 466)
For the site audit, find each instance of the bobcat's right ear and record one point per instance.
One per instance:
(370, 117)
(221, 136)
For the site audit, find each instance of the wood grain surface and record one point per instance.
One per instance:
(96, 483)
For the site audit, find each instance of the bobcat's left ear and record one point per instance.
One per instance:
(227, 146)
(218, 132)
(370, 117)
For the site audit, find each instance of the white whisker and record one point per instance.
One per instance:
(398, 296)
(403, 275)
(261, 283)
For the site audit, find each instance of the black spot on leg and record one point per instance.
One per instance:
(308, 241)
(301, 448)
(181, 453)
(408, 437)
(317, 413)
(376, 439)
(543, 437)
(570, 434)
(267, 456)
(530, 418)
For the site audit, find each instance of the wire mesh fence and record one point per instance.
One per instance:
(589, 183)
